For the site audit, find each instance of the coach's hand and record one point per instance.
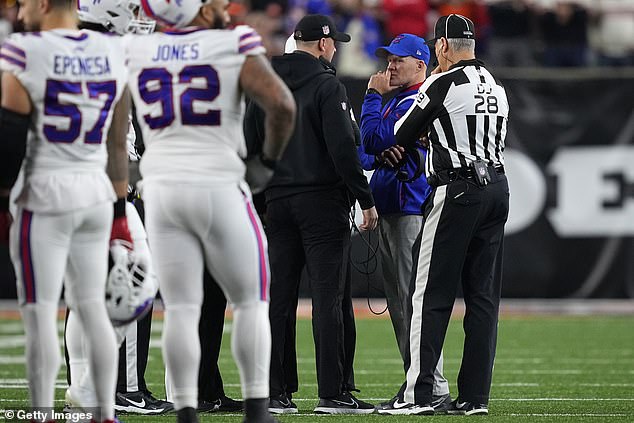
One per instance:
(370, 219)
(380, 82)
(393, 156)
(259, 173)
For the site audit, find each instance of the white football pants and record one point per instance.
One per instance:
(192, 226)
(44, 247)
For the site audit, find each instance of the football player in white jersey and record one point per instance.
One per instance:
(187, 85)
(62, 96)
(117, 17)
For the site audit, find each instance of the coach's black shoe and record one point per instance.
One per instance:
(396, 407)
(441, 403)
(141, 402)
(344, 403)
(206, 406)
(186, 415)
(282, 404)
(224, 404)
(467, 408)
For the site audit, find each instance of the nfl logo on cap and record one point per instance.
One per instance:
(325, 29)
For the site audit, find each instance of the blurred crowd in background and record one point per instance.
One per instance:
(510, 33)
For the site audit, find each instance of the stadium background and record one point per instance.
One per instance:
(568, 71)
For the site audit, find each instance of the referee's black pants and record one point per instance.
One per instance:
(309, 229)
(461, 243)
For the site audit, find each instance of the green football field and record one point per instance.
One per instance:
(560, 369)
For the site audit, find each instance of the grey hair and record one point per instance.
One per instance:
(462, 44)
(307, 44)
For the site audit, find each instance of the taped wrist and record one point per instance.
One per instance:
(119, 208)
(14, 128)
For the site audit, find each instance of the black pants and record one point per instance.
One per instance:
(212, 319)
(138, 353)
(285, 379)
(311, 230)
(461, 242)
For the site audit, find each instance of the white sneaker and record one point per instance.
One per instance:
(80, 397)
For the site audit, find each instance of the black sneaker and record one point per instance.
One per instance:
(141, 402)
(467, 408)
(224, 404)
(441, 403)
(206, 406)
(395, 407)
(282, 404)
(345, 403)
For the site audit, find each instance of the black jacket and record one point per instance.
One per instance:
(321, 154)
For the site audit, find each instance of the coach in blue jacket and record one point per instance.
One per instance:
(399, 203)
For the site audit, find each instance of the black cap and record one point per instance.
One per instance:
(316, 27)
(453, 26)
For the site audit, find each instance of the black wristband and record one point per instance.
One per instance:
(270, 163)
(119, 208)
(372, 91)
(4, 203)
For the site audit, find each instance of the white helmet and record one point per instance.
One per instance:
(130, 288)
(120, 16)
(174, 14)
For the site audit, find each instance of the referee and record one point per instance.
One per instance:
(465, 110)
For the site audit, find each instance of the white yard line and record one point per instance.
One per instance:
(12, 359)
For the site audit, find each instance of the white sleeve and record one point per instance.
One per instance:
(249, 41)
(13, 58)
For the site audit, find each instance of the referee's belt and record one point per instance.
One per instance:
(443, 177)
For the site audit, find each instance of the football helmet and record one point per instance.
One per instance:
(174, 14)
(130, 288)
(119, 16)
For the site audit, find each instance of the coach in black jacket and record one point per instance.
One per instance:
(308, 205)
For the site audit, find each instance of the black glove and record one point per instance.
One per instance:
(260, 170)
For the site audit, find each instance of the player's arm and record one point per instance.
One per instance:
(268, 91)
(261, 83)
(15, 117)
(117, 167)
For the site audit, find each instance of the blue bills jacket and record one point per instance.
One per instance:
(391, 196)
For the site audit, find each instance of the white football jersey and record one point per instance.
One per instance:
(74, 79)
(185, 87)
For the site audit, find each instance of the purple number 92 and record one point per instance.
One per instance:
(163, 93)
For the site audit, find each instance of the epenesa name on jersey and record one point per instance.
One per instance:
(77, 65)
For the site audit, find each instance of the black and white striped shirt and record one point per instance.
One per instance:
(465, 111)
